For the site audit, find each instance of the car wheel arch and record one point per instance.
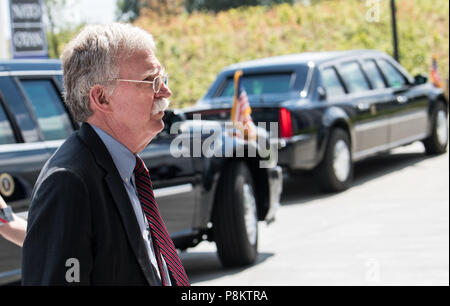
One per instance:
(435, 102)
(441, 100)
(330, 176)
(341, 123)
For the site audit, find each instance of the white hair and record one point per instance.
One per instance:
(93, 57)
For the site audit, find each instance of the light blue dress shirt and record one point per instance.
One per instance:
(125, 162)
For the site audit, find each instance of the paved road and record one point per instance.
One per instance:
(390, 228)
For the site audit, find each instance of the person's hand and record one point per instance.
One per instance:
(2, 202)
(15, 230)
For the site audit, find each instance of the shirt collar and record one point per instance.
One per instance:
(123, 158)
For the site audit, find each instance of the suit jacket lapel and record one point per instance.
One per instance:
(121, 199)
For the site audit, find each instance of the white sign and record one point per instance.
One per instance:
(28, 38)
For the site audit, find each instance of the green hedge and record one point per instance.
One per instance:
(195, 47)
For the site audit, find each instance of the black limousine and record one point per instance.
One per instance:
(334, 108)
(217, 198)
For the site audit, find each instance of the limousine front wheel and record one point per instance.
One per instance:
(235, 219)
(437, 142)
(335, 172)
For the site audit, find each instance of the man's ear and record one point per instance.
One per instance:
(98, 101)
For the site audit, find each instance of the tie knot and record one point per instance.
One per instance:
(140, 167)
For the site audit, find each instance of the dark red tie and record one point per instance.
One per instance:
(162, 243)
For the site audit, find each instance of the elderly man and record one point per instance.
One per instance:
(93, 218)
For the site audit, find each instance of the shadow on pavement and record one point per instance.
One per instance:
(382, 165)
(204, 266)
(302, 188)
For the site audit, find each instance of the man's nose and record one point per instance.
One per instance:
(164, 92)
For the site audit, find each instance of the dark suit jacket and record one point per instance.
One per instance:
(80, 210)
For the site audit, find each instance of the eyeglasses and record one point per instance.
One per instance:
(157, 82)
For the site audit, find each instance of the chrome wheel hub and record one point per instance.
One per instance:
(250, 214)
(441, 128)
(341, 161)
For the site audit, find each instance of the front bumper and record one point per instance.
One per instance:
(275, 189)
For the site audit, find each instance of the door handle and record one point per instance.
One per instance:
(363, 106)
(402, 99)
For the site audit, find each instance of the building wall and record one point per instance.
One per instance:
(4, 29)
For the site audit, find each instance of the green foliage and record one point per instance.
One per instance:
(52, 8)
(128, 10)
(195, 47)
(57, 41)
(59, 32)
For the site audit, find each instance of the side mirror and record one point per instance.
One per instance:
(420, 79)
(322, 93)
(170, 117)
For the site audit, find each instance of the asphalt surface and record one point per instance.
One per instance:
(390, 228)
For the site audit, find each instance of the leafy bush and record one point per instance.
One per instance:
(195, 47)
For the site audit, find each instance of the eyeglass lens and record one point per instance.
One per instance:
(159, 81)
(157, 84)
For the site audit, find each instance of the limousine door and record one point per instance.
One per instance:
(20, 164)
(370, 120)
(409, 117)
(22, 151)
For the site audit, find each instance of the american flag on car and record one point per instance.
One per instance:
(241, 112)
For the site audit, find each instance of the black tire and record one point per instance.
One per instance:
(325, 173)
(229, 227)
(433, 145)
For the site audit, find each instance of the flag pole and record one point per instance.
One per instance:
(237, 76)
(394, 31)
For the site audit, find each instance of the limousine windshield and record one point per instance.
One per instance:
(267, 83)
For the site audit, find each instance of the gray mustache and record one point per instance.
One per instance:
(160, 105)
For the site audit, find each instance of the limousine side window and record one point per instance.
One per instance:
(331, 82)
(374, 74)
(6, 131)
(47, 105)
(394, 77)
(353, 77)
(259, 84)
